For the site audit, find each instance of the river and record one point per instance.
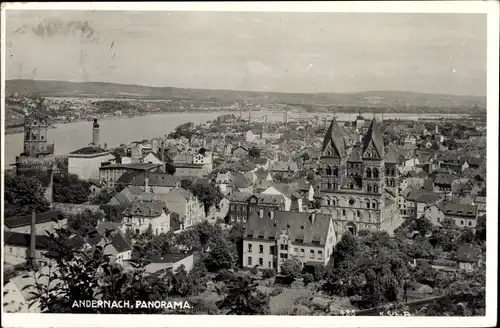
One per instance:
(114, 131)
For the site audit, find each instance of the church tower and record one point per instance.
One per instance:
(333, 158)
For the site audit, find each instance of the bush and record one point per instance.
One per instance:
(268, 273)
(308, 278)
(317, 270)
(291, 268)
(254, 270)
(276, 291)
(224, 275)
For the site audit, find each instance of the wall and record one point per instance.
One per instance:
(67, 208)
(189, 172)
(267, 256)
(160, 224)
(19, 254)
(273, 191)
(434, 215)
(87, 167)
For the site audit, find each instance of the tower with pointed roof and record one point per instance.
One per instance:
(354, 178)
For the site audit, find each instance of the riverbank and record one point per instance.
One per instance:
(20, 129)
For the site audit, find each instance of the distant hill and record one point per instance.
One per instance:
(400, 99)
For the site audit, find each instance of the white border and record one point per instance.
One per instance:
(490, 8)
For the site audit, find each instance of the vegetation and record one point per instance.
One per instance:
(23, 195)
(67, 188)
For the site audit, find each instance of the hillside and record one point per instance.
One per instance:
(400, 99)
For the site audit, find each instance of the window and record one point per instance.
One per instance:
(311, 254)
(358, 214)
(320, 255)
(375, 188)
(367, 204)
(284, 247)
(261, 249)
(374, 205)
(271, 249)
(369, 188)
(283, 255)
(351, 186)
(352, 201)
(343, 212)
(249, 260)
(368, 173)
(470, 223)
(329, 185)
(461, 222)
(334, 202)
(375, 173)
(261, 261)
(269, 264)
(328, 171)
(10, 250)
(296, 250)
(249, 248)
(335, 172)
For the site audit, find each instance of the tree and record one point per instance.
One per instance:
(23, 195)
(74, 274)
(220, 257)
(481, 229)
(186, 184)
(104, 196)
(345, 248)
(424, 226)
(243, 298)
(170, 168)
(254, 152)
(305, 157)
(207, 193)
(148, 245)
(67, 188)
(291, 268)
(83, 223)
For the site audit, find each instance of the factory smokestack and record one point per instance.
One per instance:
(32, 249)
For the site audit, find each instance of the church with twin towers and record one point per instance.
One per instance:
(358, 179)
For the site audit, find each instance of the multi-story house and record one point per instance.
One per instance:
(156, 182)
(142, 214)
(272, 237)
(110, 174)
(464, 215)
(242, 204)
(181, 201)
(443, 183)
(293, 199)
(353, 180)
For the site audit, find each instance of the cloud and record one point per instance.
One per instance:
(244, 36)
(52, 28)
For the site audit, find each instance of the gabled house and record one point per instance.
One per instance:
(186, 205)
(272, 237)
(142, 214)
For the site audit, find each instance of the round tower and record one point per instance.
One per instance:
(95, 133)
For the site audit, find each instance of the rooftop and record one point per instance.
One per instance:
(25, 220)
(90, 150)
(303, 227)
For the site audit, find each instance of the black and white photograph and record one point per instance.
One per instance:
(280, 161)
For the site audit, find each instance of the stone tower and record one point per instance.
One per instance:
(37, 158)
(95, 133)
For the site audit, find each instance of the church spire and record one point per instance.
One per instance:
(373, 138)
(334, 139)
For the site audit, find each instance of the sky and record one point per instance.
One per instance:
(262, 51)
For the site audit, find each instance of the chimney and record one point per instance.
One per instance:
(261, 213)
(313, 217)
(95, 133)
(146, 182)
(437, 129)
(32, 250)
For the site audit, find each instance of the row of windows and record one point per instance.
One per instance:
(351, 202)
(284, 247)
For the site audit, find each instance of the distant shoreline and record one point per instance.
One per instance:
(20, 129)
